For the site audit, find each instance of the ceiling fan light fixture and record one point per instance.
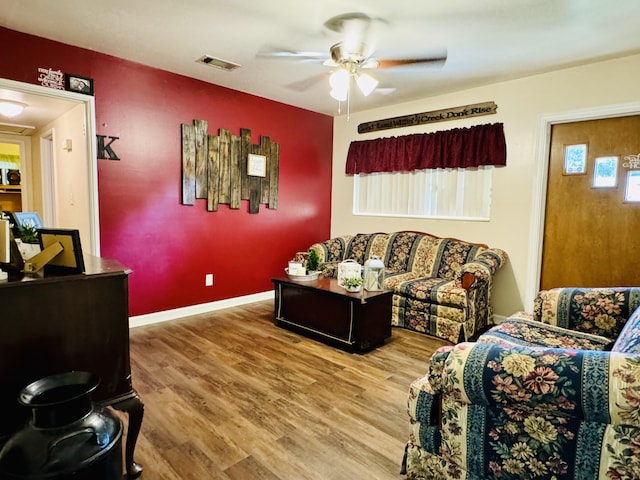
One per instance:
(339, 81)
(10, 108)
(366, 83)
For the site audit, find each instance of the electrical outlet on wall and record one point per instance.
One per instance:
(208, 280)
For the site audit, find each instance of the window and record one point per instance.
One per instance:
(632, 190)
(463, 194)
(605, 172)
(575, 159)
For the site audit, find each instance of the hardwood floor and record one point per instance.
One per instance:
(228, 395)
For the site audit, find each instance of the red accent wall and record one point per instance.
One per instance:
(170, 247)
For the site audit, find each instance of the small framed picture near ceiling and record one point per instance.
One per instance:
(257, 165)
(76, 83)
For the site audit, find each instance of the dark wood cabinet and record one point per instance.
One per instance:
(58, 324)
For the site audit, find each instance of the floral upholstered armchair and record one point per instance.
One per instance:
(553, 395)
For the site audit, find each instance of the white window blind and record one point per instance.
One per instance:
(441, 193)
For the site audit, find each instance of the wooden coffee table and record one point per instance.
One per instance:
(324, 310)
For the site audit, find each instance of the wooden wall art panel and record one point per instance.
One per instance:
(201, 157)
(188, 165)
(214, 167)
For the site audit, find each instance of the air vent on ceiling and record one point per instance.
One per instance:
(15, 129)
(218, 63)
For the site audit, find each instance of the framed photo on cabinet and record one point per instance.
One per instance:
(70, 260)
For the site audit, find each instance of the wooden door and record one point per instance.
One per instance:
(591, 235)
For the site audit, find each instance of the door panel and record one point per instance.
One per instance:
(591, 235)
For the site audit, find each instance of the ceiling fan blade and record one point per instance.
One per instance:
(436, 60)
(348, 22)
(286, 54)
(307, 83)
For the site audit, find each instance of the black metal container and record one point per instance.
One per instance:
(68, 436)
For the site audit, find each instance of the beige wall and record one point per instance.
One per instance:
(521, 106)
(71, 173)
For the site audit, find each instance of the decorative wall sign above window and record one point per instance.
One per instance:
(216, 168)
(454, 113)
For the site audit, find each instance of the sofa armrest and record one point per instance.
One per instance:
(559, 384)
(332, 250)
(481, 269)
(599, 311)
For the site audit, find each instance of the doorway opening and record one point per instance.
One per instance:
(44, 182)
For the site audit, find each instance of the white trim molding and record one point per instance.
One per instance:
(167, 315)
(541, 166)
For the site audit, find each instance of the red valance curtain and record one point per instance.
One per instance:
(457, 148)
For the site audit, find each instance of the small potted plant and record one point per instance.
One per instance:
(313, 262)
(352, 284)
(29, 244)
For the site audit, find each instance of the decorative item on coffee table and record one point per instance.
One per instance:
(304, 266)
(374, 274)
(352, 284)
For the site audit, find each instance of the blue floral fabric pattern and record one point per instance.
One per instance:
(529, 413)
(530, 401)
(520, 331)
(601, 311)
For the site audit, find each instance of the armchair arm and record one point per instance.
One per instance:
(587, 385)
(563, 407)
(482, 268)
(600, 311)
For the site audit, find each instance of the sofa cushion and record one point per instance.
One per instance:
(358, 247)
(401, 251)
(434, 290)
(453, 255)
(629, 339)
(522, 331)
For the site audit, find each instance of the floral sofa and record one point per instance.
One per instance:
(552, 395)
(442, 286)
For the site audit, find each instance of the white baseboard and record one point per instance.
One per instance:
(167, 315)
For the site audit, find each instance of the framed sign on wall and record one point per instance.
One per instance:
(257, 165)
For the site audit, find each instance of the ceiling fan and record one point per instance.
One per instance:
(350, 57)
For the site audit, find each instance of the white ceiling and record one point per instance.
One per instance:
(40, 111)
(487, 41)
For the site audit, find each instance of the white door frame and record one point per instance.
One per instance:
(91, 148)
(49, 181)
(540, 177)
